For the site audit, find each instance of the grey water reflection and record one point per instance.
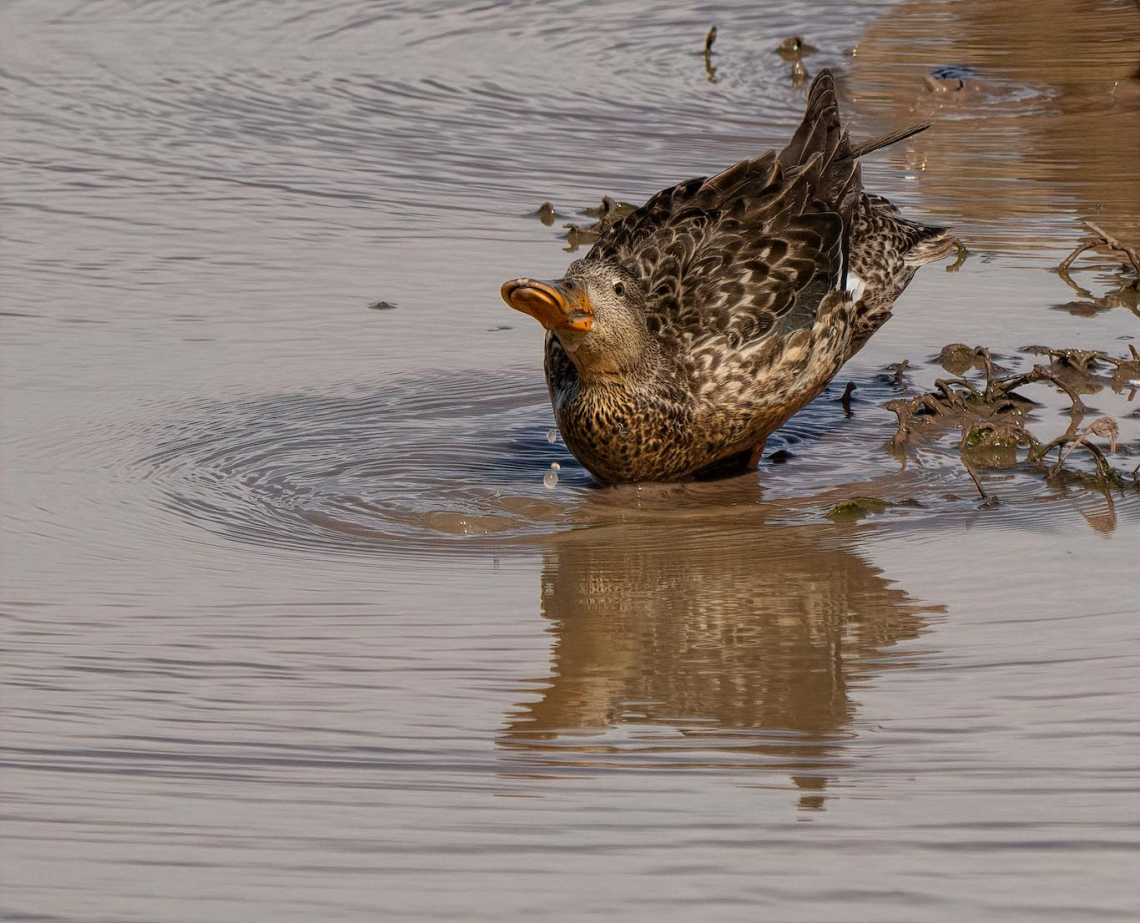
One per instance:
(692, 646)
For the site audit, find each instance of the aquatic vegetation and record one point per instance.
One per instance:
(710, 71)
(992, 418)
(546, 213)
(1102, 239)
(1127, 293)
(858, 507)
(607, 212)
(792, 49)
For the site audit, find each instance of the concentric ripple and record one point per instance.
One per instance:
(409, 464)
(456, 462)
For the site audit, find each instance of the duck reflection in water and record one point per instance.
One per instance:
(692, 645)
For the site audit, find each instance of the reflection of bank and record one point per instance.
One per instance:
(1045, 130)
(689, 645)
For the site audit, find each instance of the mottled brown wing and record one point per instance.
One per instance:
(751, 250)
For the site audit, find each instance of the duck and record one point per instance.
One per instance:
(702, 321)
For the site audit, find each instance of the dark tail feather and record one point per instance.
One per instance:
(820, 150)
(820, 123)
(875, 144)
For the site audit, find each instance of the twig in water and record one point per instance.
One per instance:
(1106, 428)
(1040, 373)
(987, 499)
(710, 71)
(799, 72)
(962, 253)
(846, 399)
(1103, 239)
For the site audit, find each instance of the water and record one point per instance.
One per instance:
(298, 625)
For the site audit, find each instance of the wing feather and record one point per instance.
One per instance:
(739, 254)
(738, 267)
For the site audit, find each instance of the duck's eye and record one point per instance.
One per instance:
(619, 289)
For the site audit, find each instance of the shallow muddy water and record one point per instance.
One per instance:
(299, 622)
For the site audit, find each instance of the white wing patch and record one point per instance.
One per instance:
(855, 286)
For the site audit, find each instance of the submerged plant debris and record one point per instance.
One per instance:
(1125, 295)
(951, 78)
(605, 213)
(710, 71)
(1102, 239)
(792, 49)
(992, 416)
(860, 507)
(546, 213)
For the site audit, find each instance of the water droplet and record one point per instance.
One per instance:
(555, 466)
(550, 480)
(551, 435)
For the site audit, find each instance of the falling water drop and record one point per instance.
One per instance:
(551, 435)
(550, 480)
(554, 466)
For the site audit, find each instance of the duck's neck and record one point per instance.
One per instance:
(617, 369)
(617, 378)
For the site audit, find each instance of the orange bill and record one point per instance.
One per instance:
(561, 304)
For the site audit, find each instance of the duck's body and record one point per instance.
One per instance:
(699, 324)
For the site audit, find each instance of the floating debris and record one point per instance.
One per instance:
(950, 78)
(794, 47)
(710, 71)
(1101, 239)
(382, 306)
(799, 72)
(988, 500)
(1079, 369)
(546, 213)
(846, 399)
(858, 507)
(1105, 428)
(1126, 296)
(898, 372)
(992, 419)
(606, 213)
(608, 209)
(962, 254)
(958, 358)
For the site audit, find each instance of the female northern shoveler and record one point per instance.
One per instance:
(698, 324)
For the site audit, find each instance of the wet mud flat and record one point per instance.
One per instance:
(308, 612)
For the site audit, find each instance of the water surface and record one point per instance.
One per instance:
(298, 625)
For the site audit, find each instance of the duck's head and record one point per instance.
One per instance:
(597, 311)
